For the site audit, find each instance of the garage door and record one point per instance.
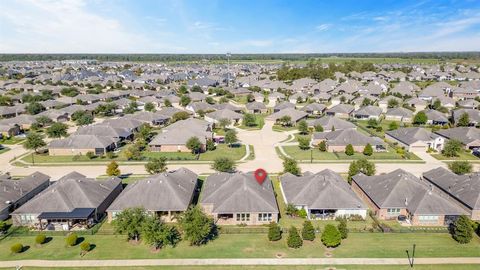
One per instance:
(418, 148)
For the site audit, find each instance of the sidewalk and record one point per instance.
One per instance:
(260, 261)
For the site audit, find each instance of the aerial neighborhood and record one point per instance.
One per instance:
(199, 152)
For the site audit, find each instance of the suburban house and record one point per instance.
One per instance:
(323, 195)
(237, 198)
(256, 107)
(368, 112)
(100, 130)
(341, 110)
(314, 109)
(416, 139)
(330, 123)
(216, 116)
(8, 130)
(283, 106)
(401, 193)
(71, 203)
(469, 136)
(174, 137)
(337, 140)
(417, 103)
(436, 118)
(164, 195)
(383, 103)
(399, 114)
(81, 144)
(14, 193)
(295, 115)
(473, 116)
(464, 190)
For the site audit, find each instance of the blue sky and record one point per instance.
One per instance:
(261, 26)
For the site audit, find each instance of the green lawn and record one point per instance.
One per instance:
(463, 155)
(45, 158)
(295, 152)
(280, 128)
(259, 122)
(222, 150)
(276, 267)
(11, 140)
(358, 245)
(4, 149)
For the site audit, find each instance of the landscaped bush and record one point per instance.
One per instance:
(462, 230)
(85, 246)
(274, 232)
(342, 228)
(308, 232)
(294, 240)
(302, 213)
(71, 239)
(331, 237)
(349, 150)
(90, 155)
(16, 248)
(40, 239)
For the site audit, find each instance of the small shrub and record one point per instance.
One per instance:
(349, 150)
(308, 232)
(40, 239)
(16, 248)
(331, 237)
(294, 240)
(274, 232)
(90, 155)
(85, 246)
(342, 228)
(71, 239)
(302, 213)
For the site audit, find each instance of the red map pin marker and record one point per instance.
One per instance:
(260, 175)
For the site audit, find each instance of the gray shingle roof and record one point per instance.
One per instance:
(464, 134)
(83, 142)
(412, 134)
(327, 122)
(323, 190)
(12, 190)
(294, 114)
(238, 192)
(170, 191)
(347, 136)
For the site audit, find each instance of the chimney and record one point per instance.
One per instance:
(406, 201)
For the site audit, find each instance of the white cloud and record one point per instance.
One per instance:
(323, 27)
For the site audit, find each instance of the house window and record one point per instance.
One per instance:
(243, 217)
(265, 217)
(428, 219)
(393, 211)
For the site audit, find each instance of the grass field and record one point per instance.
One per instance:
(295, 152)
(358, 245)
(277, 267)
(4, 149)
(282, 128)
(11, 140)
(461, 156)
(222, 150)
(259, 123)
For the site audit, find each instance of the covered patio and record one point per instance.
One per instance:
(77, 219)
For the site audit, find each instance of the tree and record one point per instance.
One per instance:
(285, 120)
(149, 107)
(180, 116)
(85, 246)
(366, 101)
(318, 128)
(372, 123)
(349, 150)
(420, 118)
(82, 118)
(194, 145)
(368, 150)
(290, 166)
(331, 237)
(182, 90)
(44, 121)
(303, 127)
(452, 148)
(224, 123)
(129, 222)
(112, 169)
(360, 166)
(133, 152)
(274, 232)
(223, 164)
(294, 240)
(322, 146)
(144, 133)
(250, 97)
(460, 167)
(90, 155)
(249, 120)
(308, 232)
(196, 88)
(210, 145)
(231, 137)
(157, 234)
(464, 120)
(303, 142)
(209, 100)
(342, 228)
(197, 227)
(34, 108)
(156, 165)
(462, 230)
(34, 141)
(392, 103)
(436, 104)
(393, 125)
(184, 101)
(57, 130)
(167, 103)
(16, 248)
(40, 239)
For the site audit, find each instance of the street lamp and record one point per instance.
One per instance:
(410, 260)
